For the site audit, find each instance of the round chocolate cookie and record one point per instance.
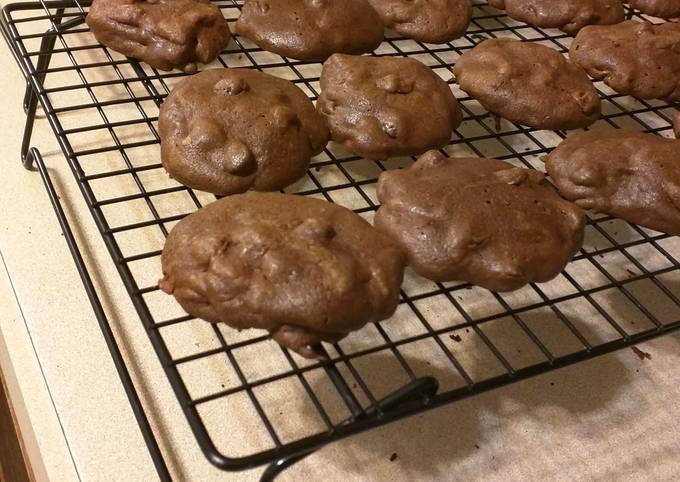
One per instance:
(229, 130)
(568, 15)
(657, 8)
(166, 34)
(311, 29)
(379, 107)
(304, 269)
(528, 83)
(430, 21)
(625, 173)
(483, 221)
(635, 58)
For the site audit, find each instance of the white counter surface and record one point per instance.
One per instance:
(612, 418)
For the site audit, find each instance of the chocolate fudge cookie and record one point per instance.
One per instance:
(430, 21)
(379, 107)
(311, 29)
(166, 34)
(478, 220)
(658, 8)
(635, 58)
(229, 130)
(568, 15)
(621, 172)
(528, 84)
(304, 269)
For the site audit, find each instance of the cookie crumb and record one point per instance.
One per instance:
(455, 338)
(642, 355)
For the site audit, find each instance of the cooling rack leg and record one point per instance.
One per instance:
(26, 156)
(415, 391)
(30, 97)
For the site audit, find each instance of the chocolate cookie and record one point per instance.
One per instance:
(635, 58)
(568, 15)
(478, 220)
(528, 84)
(311, 29)
(304, 269)
(229, 130)
(166, 34)
(379, 107)
(621, 172)
(657, 8)
(430, 21)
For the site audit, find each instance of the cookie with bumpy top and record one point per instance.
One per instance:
(528, 83)
(625, 173)
(634, 58)
(229, 130)
(483, 221)
(304, 269)
(570, 16)
(166, 34)
(379, 107)
(311, 29)
(430, 21)
(658, 8)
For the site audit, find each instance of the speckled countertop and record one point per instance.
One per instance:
(612, 418)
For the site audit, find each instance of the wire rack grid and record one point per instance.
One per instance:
(446, 341)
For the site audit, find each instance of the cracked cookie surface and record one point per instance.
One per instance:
(304, 269)
(379, 107)
(229, 130)
(166, 34)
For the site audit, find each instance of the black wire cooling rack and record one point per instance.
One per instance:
(446, 341)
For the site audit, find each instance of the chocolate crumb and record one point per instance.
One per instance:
(455, 338)
(496, 122)
(476, 446)
(552, 384)
(642, 355)
(393, 457)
